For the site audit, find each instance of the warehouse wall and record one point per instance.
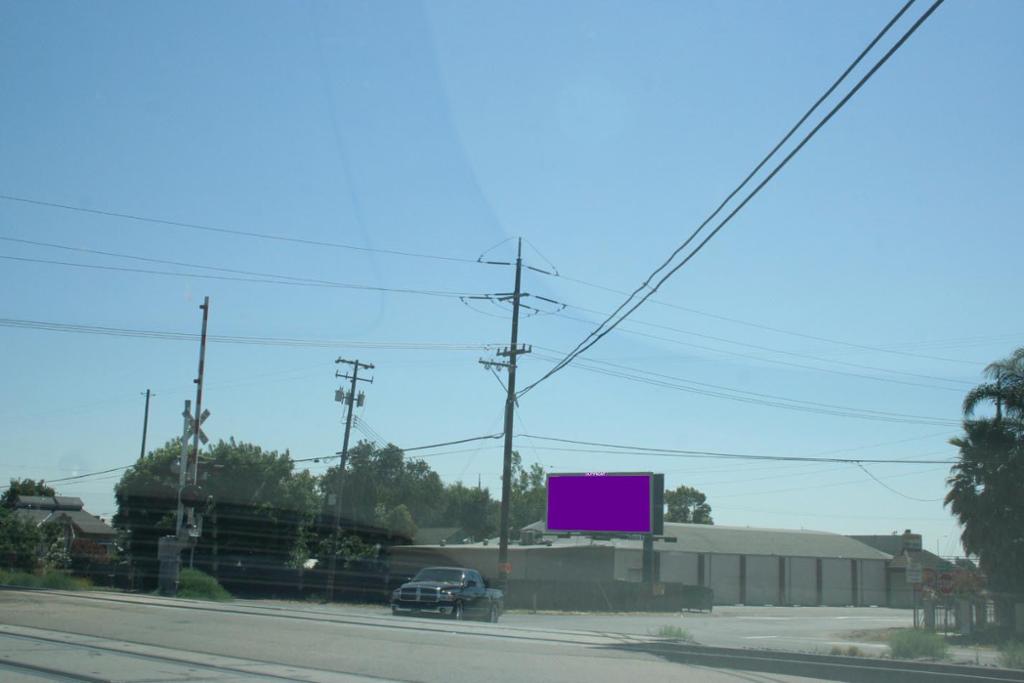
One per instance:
(872, 582)
(629, 565)
(589, 563)
(836, 582)
(762, 580)
(677, 567)
(722, 574)
(801, 581)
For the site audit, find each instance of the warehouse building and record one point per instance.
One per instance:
(740, 565)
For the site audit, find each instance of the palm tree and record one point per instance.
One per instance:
(985, 485)
(1006, 390)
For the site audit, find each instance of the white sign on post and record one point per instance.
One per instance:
(914, 573)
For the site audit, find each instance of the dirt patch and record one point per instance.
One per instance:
(874, 635)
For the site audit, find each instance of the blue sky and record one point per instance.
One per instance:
(600, 132)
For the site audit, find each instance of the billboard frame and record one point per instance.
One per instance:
(655, 517)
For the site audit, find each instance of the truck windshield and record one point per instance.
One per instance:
(442, 575)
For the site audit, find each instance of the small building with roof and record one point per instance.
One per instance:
(906, 549)
(84, 533)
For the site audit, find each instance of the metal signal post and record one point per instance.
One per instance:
(145, 425)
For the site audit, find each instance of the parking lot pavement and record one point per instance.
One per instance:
(809, 629)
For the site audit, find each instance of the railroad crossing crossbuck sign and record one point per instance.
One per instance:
(193, 427)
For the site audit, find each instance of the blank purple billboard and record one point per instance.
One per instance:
(618, 503)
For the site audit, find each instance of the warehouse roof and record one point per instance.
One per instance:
(707, 538)
(732, 540)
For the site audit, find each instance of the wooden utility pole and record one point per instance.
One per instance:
(351, 401)
(512, 352)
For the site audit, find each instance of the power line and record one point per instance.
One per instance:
(771, 400)
(822, 486)
(608, 324)
(232, 231)
(646, 284)
(415, 448)
(779, 330)
(229, 339)
(676, 452)
(268, 279)
(892, 490)
(114, 254)
(780, 351)
(317, 459)
(453, 443)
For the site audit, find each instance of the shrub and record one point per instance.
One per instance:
(915, 644)
(55, 580)
(854, 651)
(19, 539)
(674, 633)
(1011, 655)
(197, 585)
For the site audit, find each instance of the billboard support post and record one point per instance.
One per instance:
(648, 574)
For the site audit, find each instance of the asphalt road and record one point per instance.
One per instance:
(813, 630)
(48, 636)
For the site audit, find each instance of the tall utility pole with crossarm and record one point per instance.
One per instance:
(512, 352)
(351, 400)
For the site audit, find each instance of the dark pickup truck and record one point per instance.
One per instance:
(454, 592)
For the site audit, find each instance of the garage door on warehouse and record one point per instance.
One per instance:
(836, 582)
(762, 580)
(801, 581)
(723, 577)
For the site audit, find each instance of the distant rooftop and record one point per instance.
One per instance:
(41, 509)
(49, 502)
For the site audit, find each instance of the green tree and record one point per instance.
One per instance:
(471, 509)
(399, 522)
(24, 487)
(19, 541)
(261, 504)
(378, 480)
(528, 498)
(1005, 390)
(687, 505)
(986, 482)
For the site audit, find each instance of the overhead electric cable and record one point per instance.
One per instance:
(612, 322)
